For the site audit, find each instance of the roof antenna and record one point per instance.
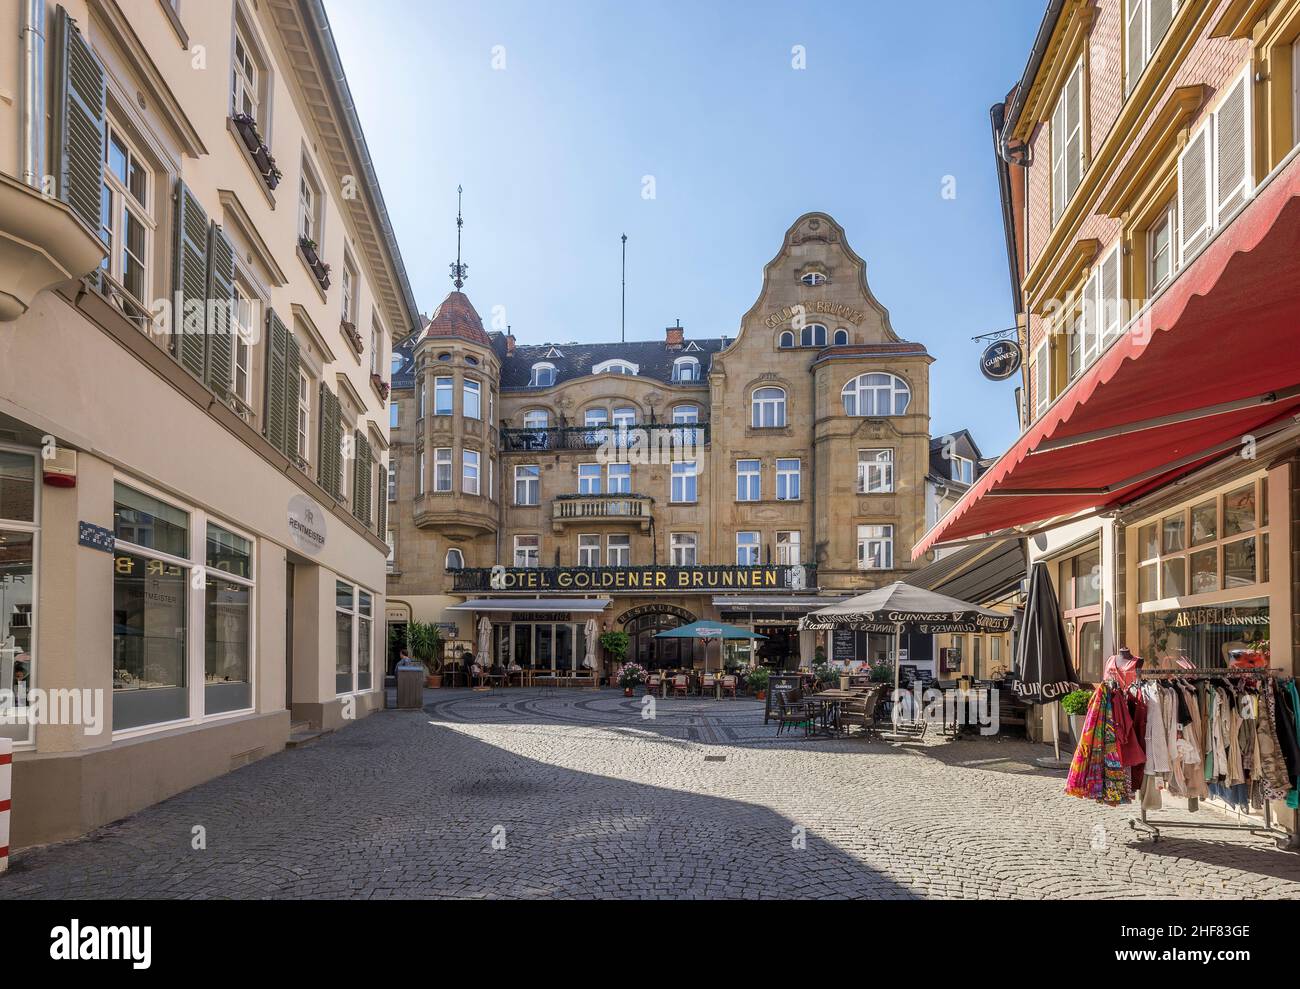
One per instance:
(459, 271)
(623, 332)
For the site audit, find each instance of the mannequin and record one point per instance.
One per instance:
(1122, 667)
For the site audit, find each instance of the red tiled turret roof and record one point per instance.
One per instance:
(456, 317)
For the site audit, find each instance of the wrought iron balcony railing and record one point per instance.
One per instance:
(677, 437)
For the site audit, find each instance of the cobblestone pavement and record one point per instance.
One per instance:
(591, 800)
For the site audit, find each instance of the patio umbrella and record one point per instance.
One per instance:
(902, 607)
(590, 660)
(485, 643)
(706, 632)
(1045, 673)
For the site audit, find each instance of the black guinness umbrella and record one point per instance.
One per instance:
(1045, 673)
(898, 607)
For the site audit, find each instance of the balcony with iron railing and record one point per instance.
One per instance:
(680, 440)
(600, 508)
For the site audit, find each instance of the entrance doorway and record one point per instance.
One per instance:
(780, 651)
(660, 654)
(288, 637)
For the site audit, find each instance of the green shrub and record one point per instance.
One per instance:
(1076, 702)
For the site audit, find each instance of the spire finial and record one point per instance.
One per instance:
(459, 270)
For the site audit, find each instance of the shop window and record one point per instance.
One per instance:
(228, 624)
(365, 639)
(353, 638)
(18, 600)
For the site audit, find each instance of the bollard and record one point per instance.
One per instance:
(6, 775)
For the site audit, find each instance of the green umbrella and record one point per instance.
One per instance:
(706, 632)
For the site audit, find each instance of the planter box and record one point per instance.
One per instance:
(263, 160)
(318, 267)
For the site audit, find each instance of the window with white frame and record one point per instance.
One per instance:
(424, 397)
(528, 551)
(789, 480)
(767, 408)
(962, 469)
(747, 549)
(615, 366)
(1216, 168)
(420, 469)
(376, 346)
(589, 479)
(528, 484)
(455, 560)
(749, 480)
(1145, 24)
(348, 283)
(391, 562)
(241, 341)
(1067, 140)
(841, 337)
(394, 416)
(618, 550)
(876, 471)
(309, 205)
(813, 335)
(228, 621)
(473, 399)
(470, 471)
(813, 279)
(492, 478)
(443, 396)
(619, 478)
(246, 90)
(683, 549)
(127, 224)
(1162, 248)
(875, 547)
(787, 548)
(441, 469)
(537, 419)
(542, 376)
(392, 478)
(686, 369)
(588, 550)
(686, 415)
(683, 483)
(786, 340)
(876, 394)
(353, 638)
(624, 419)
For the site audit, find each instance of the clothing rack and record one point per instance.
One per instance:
(1144, 825)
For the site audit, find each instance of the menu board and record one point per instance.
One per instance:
(843, 644)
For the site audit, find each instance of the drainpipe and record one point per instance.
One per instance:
(33, 111)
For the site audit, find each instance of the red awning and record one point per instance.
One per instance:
(1215, 358)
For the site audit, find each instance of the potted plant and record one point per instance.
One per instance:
(615, 645)
(424, 639)
(631, 676)
(318, 267)
(757, 681)
(882, 671)
(1075, 705)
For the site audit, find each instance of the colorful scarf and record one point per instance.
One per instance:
(1096, 772)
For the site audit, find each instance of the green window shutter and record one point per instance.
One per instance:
(220, 290)
(292, 368)
(190, 283)
(79, 125)
(381, 495)
(331, 436)
(362, 473)
(274, 422)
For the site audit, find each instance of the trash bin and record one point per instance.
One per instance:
(410, 686)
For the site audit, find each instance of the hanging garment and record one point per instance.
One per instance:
(1273, 781)
(1137, 752)
(1286, 731)
(1193, 746)
(1122, 671)
(1095, 771)
(1156, 737)
(1289, 689)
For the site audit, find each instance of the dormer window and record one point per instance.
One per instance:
(398, 361)
(963, 469)
(615, 366)
(543, 376)
(686, 369)
(813, 279)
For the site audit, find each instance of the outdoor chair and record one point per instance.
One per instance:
(708, 683)
(861, 713)
(652, 683)
(681, 685)
(789, 714)
(729, 686)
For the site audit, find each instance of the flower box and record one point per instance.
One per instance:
(349, 331)
(380, 385)
(261, 154)
(318, 267)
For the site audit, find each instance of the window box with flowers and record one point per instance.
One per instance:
(380, 386)
(318, 267)
(349, 331)
(261, 154)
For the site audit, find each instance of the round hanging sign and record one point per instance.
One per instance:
(1000, 360)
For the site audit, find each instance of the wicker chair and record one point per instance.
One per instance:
(708, 683)
(860, 712)
(653, 682)
(681, 685)
(790, 712)
(729, 686)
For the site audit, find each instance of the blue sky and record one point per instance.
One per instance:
(552, 149)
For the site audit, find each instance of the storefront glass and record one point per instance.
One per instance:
(1210, 636)
(150, 635)
(343, 637)
(228, 623)
(17, 627)
(364, 620)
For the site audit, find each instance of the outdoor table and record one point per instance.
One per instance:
(826, 720)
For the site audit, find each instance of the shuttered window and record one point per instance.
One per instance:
(1232, 158)
(190, 283)
(1110, 300)
(1194, 194)
(283, 360)
(381, 501)
(1067, 141)
(1145, 25)
(221, 322)
(78, 149)
(362, 486)
(331, 438)
(1042, 379)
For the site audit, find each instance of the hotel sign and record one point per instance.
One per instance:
(653, 579)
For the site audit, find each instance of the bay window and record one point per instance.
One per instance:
(876, 471)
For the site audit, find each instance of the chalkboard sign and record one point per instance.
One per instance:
(843, 644)
(778, 683)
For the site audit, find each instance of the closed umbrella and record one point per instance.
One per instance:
(1043, 668)
(485, 643)
(902, 607)
(590, 660)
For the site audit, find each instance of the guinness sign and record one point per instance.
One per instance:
(1000, 360)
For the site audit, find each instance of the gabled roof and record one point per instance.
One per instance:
(965, 445)
(653, 358)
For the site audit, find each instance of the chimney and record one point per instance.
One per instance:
(510, 342)
(676, 336)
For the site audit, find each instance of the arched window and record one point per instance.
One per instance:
(841, 337)
(876, 395)
(455, 560)
(814, 335)
(615, 366)
(786, 340)
(686, 369)
(537, 419)
(768, 408)
(813, 278)
(543, 375)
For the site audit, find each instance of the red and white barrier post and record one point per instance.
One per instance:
(6, 777)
